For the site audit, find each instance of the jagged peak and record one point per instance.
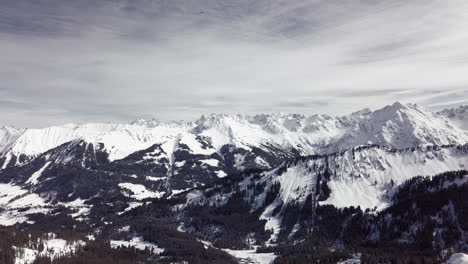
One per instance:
(399, 125)
(403, 106)
(395, 107)
(390, 111)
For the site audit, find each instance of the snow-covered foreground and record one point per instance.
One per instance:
(251, 257)
(13, 198)
(356, 259)
(458, 258)
(53, 248)
(137, 242)
(18, 203)
(138, 191)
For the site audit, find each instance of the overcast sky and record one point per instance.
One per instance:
(67, 61)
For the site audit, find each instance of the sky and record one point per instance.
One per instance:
(65, 61)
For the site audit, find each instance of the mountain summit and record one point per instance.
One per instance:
(398, 125)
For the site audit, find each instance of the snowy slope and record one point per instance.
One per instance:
(286, 131)
(8, 136)
(13, 198)
(363, 176)
(366, 177)
(119, 140)
(458, 258)
(401, 126)
(53, 248)
(175, 156)
(138, 243)
(398, 125)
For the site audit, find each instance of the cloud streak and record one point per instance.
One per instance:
(76, 61)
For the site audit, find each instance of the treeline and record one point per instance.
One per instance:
(100, 252)
(12, 241)
(178, 247)
(306, 253)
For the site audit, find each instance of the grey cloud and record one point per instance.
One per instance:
(6, 105)
(118, 60)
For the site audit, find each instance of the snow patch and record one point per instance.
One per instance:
(53, 248)
(37, 174)
(211, 162)
(239, 161)
(180, 191)
(458, 258)
(251, 256)
(194, 145)
(221, 174)
(131, 205)
(138, 243)
(139, 192)
(13, 196)
(150, 178)
(356, 259)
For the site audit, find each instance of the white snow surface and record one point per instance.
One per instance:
(18, 203)
(12, 198)
(80, 206)
(247, 256)
(131, 205)
(210, 162)
(53, 248)
(365, 179)
(119, 140)
(8, 136)
(137, 242)
(295, 185)
(356, 259)
(397, 125)
(221, 174)
(138, 191)
(458, 258)
(251, 256)
(37, 174)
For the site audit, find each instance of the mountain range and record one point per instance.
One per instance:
(231, 183)
(398, 125)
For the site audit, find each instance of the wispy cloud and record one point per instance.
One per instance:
(75, 61)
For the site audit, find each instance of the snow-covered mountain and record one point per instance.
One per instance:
(8, 136)
(363, 176)
(397, 125)
(400, 126)
(228, 179)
